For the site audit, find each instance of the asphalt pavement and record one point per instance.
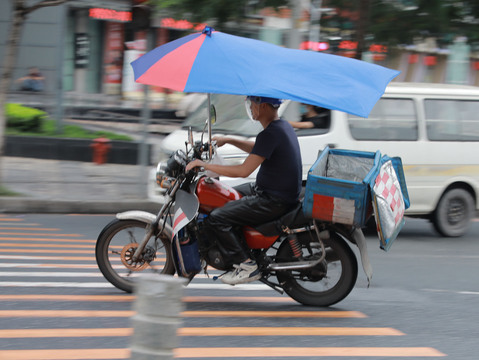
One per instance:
(54, 186)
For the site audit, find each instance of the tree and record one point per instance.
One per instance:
(220, 11)
(394, 22)
(20, 12)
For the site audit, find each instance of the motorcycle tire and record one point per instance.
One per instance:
(115, 247)
(312, 286)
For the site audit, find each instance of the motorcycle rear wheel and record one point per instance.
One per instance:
(115, 247)
(328, 282)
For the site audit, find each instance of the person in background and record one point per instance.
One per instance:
(33, 81)
(313, 117)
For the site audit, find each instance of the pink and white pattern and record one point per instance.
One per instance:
(386, 185)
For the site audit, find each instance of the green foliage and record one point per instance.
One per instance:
(24, 119)
(219, 11)
(402, 21)
(6, 192)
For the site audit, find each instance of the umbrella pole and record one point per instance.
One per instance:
(209, 127)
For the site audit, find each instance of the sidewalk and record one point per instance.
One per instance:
(54, 186)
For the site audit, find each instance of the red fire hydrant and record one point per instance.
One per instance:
(101, 147)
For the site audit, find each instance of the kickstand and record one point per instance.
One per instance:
(273, 286)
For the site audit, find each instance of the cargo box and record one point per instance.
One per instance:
(338, 186)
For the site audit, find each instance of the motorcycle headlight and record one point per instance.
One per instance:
(163, 178)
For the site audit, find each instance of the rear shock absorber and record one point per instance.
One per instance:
(295, 246)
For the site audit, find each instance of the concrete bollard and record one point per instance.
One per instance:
(158, 306)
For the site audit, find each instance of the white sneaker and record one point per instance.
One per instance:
(243, 273)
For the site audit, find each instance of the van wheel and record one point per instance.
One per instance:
(453, 213)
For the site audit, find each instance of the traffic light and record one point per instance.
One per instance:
(140, 15)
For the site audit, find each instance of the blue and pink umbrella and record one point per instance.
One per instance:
(215, 62)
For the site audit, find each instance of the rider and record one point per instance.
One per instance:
(278, 184)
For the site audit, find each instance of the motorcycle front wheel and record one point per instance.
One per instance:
(326, 283)
(116, 245)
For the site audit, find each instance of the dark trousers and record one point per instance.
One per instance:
(254, 208)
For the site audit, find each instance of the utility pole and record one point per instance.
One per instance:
(294, 39)
(315, 17)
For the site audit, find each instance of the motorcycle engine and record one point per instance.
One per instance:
(210, 250)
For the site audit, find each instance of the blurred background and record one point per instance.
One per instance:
(84, 47)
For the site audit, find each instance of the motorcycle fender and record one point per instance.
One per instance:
(360, 240)
(139, 215)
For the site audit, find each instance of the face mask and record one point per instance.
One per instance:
(302, 109)
(247, 105)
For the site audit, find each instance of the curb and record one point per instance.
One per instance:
(41, 206)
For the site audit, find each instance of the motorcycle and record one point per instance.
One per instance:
(309, 259)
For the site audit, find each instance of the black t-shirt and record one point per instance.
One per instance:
(321, 121)
(280, 174)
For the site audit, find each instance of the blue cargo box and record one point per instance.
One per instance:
(337, 187)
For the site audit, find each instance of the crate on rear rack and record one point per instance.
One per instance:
(337, 187)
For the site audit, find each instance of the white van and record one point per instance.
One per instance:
(434, 128)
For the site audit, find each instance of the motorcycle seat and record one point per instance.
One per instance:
(292, 219)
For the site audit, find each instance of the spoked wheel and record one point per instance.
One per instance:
(115, 248)
(328, 282)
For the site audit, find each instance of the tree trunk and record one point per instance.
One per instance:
(20, 13)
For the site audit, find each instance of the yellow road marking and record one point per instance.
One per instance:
(206, 331)
(226, 352)
(275, 352)
(23, 234)
(65, 354)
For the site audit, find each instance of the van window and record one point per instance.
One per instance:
(452, 120)
(390, 119)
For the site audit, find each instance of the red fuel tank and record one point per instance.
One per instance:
(212, 194)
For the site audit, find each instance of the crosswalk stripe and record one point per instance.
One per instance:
(226, 352)
(190, 314)
(275, 352)
(206, 331)
(37, 234)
